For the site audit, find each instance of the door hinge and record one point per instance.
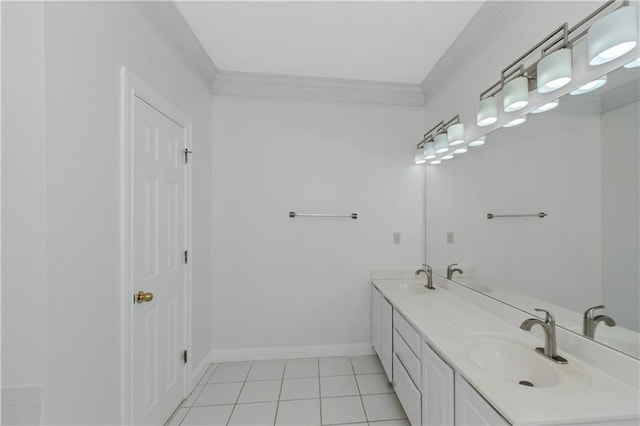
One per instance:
(186, 256)
(184, 356)
(186, 155)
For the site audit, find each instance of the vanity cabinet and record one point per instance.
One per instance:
(376, 327)
(471, 409)
(407, 375)
(382, 330)
(437, 389)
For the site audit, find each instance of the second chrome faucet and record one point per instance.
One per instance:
(550, 349)
(428, 271)
(451, 270)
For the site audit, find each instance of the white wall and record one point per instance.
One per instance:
(24, 287)
(550, 164)
(620, 214)
(85, 46)
(282, 282)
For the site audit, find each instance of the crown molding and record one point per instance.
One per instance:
(174, 30)
(483, 28)
(232, 83)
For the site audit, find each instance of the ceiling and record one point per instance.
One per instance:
(392, 41)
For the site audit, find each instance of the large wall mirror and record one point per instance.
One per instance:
(579, 164)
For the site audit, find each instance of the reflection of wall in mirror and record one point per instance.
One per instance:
(621, 213)
(549, 164)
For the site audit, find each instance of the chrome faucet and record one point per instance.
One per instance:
(451, 270)
(428, 271)
(549, 326)
(589, 322)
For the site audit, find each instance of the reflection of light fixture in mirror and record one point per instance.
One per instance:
(612, 35)
(441, 143)
(546, 107)
(420, 156)
(460, 150)
(487, 112)
(515, 94)
(516, 122)
(455, 134)
(447, 157)
(554, 70)
(590, 86)
(429, 151)
(435, 162)
(633, 64)
(478, 141)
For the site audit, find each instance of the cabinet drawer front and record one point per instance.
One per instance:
(407, 332)
(408, 394)
(408, 358)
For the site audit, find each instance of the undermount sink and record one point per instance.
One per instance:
(412, 288)
(512, 361)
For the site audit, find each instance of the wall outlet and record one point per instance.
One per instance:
(450, 238)
(396, 238)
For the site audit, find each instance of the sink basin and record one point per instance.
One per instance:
(513, 361)
(412, 288)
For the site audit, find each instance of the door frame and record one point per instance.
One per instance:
(133, 87)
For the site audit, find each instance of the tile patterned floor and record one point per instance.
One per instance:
(344, 391)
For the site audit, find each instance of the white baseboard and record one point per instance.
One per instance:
(262, 354)
(199, 370)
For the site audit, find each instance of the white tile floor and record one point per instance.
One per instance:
(344, 391)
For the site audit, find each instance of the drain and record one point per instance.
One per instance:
(525, 383)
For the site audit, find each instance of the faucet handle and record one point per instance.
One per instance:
(549, 318)
(589, 312)
(427, 267)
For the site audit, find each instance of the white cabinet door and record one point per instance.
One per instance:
(386, 337)
(472, 409)
(437, 389)
(375, 320)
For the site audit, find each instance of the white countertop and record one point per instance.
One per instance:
(447, 321)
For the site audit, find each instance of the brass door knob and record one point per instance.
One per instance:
(144, 297)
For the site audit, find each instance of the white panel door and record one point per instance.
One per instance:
(386, 337)
(158, 264)
(437, 390)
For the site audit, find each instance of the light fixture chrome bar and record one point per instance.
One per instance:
(540, 215)
(562, 37)
(352, 215)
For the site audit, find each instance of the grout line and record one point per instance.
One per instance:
(280, 393)
(239, 393)
(366, 417)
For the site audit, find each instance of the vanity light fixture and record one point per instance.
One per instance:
(590, 86)
(429, 150)
(633, 64)
(478, 141)
(546, 107)
(515, 94)
(455, 133)
(434, 162)
(611, 30)
(613, 35)
(447, 157)
(460, 150)
(441, 143)
(554, 70)
(487, 112)
(516, 122)
(420, 156)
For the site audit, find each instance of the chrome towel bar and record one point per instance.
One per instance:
(352, 215)
(540, 215)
